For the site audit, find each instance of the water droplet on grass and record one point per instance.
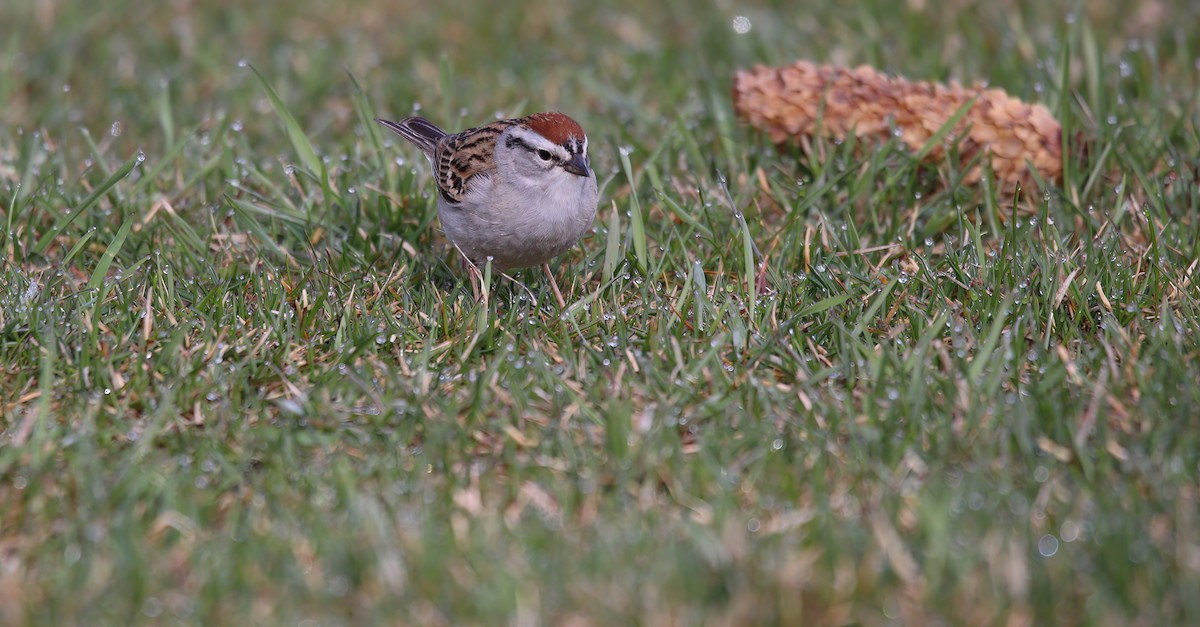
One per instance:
(1070, 531)
(1048, 545)
(152, 607)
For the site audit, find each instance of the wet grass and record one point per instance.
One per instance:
(242, 378)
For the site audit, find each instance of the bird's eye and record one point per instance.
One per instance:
(544, 155)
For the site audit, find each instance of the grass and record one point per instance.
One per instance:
(244, 381)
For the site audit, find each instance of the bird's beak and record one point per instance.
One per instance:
(578, 165)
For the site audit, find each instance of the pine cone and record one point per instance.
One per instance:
(806, 99)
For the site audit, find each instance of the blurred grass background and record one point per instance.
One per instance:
(245, 382)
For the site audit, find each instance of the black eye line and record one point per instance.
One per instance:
(549, 156)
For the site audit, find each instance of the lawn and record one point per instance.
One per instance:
(244, 379)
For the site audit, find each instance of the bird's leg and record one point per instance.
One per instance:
(476, 281)
(474, 271)
(562, 304)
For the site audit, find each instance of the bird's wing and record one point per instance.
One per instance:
(463, 156)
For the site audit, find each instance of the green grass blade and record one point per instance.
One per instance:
(87, 237)
(950, 124)
(983, 357)
(366, 118)
(638, 226)
(612, 249)
(65, 220)
(110, 253)
(873, 309)
(823, 305)
(166, 114)
(295, 134)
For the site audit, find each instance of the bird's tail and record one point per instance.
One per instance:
(421, 132)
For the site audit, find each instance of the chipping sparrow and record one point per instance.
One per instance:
(516, 192)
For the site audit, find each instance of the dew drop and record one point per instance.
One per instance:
(1047, 545)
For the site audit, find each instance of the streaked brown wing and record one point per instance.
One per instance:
(464, 155)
